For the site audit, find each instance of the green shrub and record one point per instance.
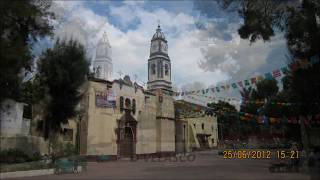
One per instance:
(24, 166)
(35, 157)
(69, 149)
(13, 156)
(10, 156)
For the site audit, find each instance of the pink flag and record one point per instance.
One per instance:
(276, 73)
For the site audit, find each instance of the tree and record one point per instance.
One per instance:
(62, 70)
(299, 20)
(227, 117)
(22, 24)
(266, 92)
(267, 88)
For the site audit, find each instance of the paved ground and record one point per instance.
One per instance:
(207, 165)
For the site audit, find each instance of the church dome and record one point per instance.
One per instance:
(103, 47)
(158, 35)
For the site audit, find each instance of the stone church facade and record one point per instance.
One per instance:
(120, 118)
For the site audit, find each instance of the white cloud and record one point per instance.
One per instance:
(239, 58)
(209, 64)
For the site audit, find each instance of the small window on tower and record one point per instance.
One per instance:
(121, 104)
(133, 106)
(127, 103)
(166, 69)
(153, 68)
(67, 134)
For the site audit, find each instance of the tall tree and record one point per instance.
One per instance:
(267, 88)
(22, 24)
(299, 20)
(62, 71)
(227, 117)
(266, 92)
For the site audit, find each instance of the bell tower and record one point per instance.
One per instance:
(159, 64)
(102, 64)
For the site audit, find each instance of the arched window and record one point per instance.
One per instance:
(202, 125)
(98, 71)
(127, 103)
(133, 106)
(166, 69)
(153, 68)
(184, 131)
(121, 104)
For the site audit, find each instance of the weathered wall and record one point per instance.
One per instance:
(167, 142)
(210, 128)
(181, 135)
(72, 124)
(146, 134)
(11, 120)
(165, 124)
(101, 138)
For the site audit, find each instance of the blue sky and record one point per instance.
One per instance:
(204, 46)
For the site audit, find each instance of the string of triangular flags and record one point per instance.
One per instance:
(257, 102)
(262, 119)
(228, 98)
(278, 73)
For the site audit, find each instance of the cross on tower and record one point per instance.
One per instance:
(120, 73)
(135, 77)
(158, 22)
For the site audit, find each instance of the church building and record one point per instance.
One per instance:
(120, 118)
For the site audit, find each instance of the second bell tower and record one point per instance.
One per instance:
(159, 64)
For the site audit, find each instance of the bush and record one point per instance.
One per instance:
(60, 149)
(17, 156)
(24, 166)
(69, 149)
(13, 156)
(35, 157)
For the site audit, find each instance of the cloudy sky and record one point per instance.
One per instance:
(204, 46)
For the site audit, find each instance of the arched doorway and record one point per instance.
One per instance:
(127, 142)
(126, 136)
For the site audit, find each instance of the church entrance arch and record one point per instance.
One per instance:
(127, 143)
(126, 135)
